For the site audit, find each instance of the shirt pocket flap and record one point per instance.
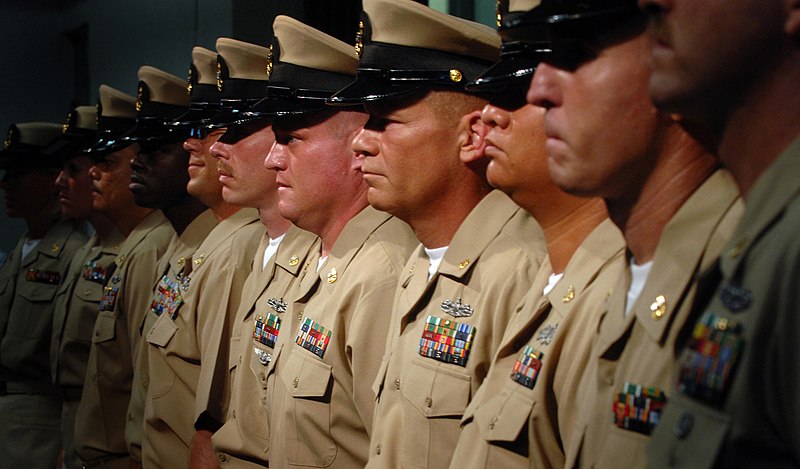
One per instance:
(306, 376)
(162, 331)
(104, 327)
(36, 292)
(89, 292)
(689, 435)
(436, 390)
(503, 417)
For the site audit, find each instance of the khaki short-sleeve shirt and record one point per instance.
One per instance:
(630, 372)
(526, 406)
(101, 416)
(191, 317)
(444, 332)
(243, 441)
(319, 399)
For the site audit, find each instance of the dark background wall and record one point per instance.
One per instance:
(54, 54)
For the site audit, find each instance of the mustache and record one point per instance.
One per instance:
(224, 167)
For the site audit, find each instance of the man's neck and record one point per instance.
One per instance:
(272, 220)
(38, 225)
(682, 167)
(565, 235)
(759, 129)
(330, 232)
(436, 225)
(181, 214)
(130, 218)
(103, 225)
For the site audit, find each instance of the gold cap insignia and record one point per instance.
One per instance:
(65, 125)
(463, 265)
(55, 248)
(294, 260)
(269, 61)
(333, 276)
(499, 15)
(139, 97)
(200, 259)
(219, 75)
(455, 75)
(189, 82)
(659, 307)
(9, 138)
(360, 39)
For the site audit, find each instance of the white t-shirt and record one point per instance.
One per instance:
(30, 245)
(551, 283)
(320, 262)
(271, 249)
(639, 274)
(435, 255)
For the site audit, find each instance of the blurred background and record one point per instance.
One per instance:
(56, 53)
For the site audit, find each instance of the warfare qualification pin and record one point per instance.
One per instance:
(457, 309)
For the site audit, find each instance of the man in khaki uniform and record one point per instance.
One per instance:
(78, 297)
(282, 258)
(526, 405)
(243, 74)
(101, 416)
(30, 404)
(319, 400)
(479, 251)
(674, 205)
(736, 400)
(188, 326)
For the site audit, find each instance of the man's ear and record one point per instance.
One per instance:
(473, 136)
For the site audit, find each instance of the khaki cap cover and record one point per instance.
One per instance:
(115, 103)
(305, 46)
(408, 23)
(244, 60)
(205, 65)
(163, 87)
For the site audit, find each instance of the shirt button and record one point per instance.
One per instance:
(233, 413)
(221, 457)
(684, 424)
(397, 384)
(378, 449)
(428, 402)
(296, 382)
(492, 423)
(263, 377)
(300, 316)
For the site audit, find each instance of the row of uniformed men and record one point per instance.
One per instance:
(391, 309)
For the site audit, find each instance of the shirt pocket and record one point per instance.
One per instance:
(435, 396)
(37, 316)
(113, 354)
(159, 336)
(79, 328)
(689, 435)
(309, 385)
(501, 419)
(162, 332)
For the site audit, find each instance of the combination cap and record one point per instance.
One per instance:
(308, 66)
(405, 46)
(24, 142)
